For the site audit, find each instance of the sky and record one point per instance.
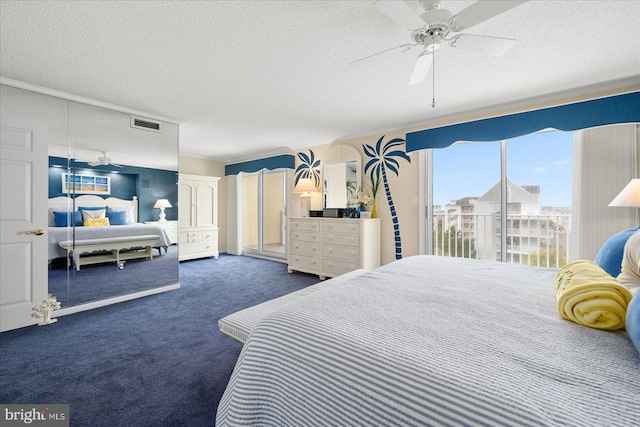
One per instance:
(471, 169)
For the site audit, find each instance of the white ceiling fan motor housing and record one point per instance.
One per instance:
(437, 19)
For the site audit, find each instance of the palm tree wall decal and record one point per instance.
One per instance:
(383, 158)
(309, 168)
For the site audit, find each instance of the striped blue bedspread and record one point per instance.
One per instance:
(433, 341)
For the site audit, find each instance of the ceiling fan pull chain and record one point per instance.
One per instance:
(433, 67)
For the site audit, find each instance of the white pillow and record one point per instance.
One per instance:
(629, 277)
(97, 213)
(128, 209)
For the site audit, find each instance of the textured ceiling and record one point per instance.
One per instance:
(248, 78)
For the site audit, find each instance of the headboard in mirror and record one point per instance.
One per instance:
(341, 176)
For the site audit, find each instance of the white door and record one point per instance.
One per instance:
(23, 211)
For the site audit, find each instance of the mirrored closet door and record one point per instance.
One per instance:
(264, 213)
(110, 176)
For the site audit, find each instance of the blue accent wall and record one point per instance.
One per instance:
(128, 181)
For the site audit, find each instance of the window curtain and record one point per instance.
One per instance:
(605, 159)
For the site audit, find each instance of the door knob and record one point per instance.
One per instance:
(37, 232)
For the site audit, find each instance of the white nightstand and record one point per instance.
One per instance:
(170, 226)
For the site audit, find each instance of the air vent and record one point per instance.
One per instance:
(146, 124)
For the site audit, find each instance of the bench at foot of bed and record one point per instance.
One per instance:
(239, 325)
(84, 251)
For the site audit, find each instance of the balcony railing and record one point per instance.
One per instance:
(540, 240)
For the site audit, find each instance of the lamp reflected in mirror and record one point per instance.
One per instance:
(305, 187)
(162, 204)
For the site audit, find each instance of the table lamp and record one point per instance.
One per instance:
(305, 186)
(162, 204)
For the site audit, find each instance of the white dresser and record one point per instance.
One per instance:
(197, 216)
(330, 247)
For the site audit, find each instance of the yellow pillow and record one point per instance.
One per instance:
(96, 221)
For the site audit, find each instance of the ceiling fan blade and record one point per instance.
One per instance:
(94, 163)
(400, 12)
(421, 69)
(495, 46)
(115, 165)
(480, 11)
(366, 59)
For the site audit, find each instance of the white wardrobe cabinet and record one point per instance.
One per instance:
(198, 216)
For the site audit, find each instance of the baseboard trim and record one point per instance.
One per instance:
(115, 300)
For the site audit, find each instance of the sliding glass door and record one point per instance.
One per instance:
(264, 214)
(503, 200)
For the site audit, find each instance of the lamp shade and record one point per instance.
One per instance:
(305, 185)
(162, 203)
(629, 196)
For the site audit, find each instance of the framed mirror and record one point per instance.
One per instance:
(341, 176)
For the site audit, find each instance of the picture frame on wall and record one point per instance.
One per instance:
(86, 184)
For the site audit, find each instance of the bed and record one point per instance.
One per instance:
(125, 210)
(428, 341)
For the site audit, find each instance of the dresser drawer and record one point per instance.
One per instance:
(304, 237)
(335, 268)
(345, 253)
(341, 227)
(208, 248)
(190, 236)
(341, 239)
(305, 248)
(297, 225)
(209, 235)
(198, 236)
(304, 262)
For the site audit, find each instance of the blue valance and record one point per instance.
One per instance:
(597, 112)
(287, 161)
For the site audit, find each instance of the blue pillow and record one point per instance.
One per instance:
(609, 257)
(633, 321)
(62, 219)
(117, 217)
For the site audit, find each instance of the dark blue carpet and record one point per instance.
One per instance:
(155, 361)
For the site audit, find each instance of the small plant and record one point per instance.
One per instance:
(364, 197)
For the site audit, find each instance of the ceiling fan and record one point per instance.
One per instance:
(437, 26)
(104, 161)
